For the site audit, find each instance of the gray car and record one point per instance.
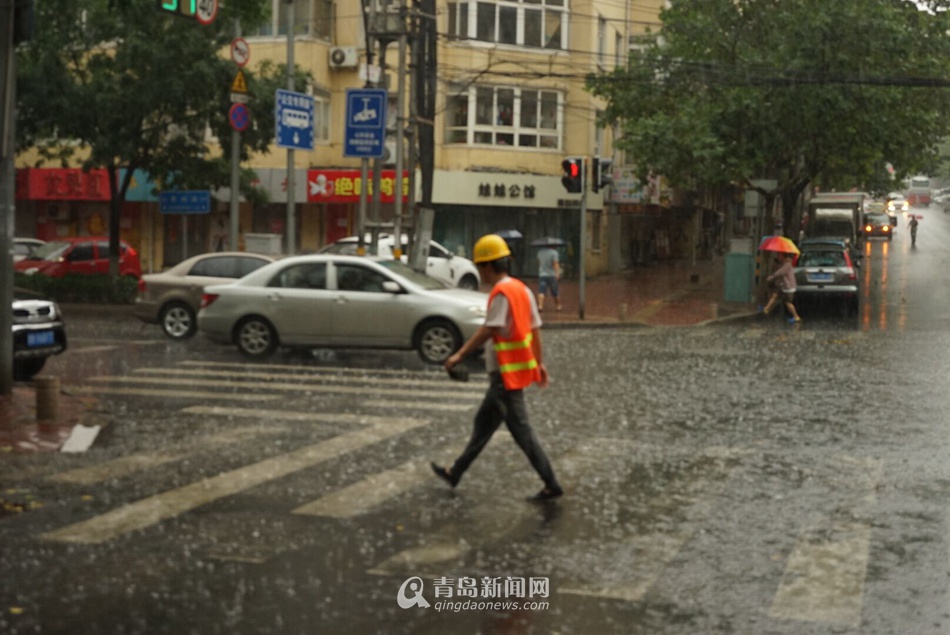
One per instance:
(337, 300)
(38, 333)
(827, 272)
(172, 298)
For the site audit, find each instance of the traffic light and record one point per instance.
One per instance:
(573, 178)
(22, 21)
(602, 173)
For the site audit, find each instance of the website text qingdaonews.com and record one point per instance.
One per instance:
(496, 605)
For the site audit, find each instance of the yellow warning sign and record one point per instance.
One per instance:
(239, 85)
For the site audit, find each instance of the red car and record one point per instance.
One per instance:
(80, 255)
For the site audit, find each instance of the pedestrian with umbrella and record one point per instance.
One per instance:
(783, 278)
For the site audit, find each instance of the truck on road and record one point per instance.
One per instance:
(837, 215)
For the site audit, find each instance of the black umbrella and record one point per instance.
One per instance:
(510, 234)
(549, 241)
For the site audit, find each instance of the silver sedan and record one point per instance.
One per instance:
(341, 301)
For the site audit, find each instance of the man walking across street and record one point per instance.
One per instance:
(514, 360)
(549, 272)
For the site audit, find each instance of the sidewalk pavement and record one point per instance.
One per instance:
(672, 293)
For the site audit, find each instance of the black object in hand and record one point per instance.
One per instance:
(459, 373)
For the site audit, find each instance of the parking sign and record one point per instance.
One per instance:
(294, 119)
(365, 123)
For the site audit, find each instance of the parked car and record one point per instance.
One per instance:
(338, 300)
(878, 225)
(23, 247)
(79, 255)
(826, 271)
(172, 298)
(38, 333)
(441, 264)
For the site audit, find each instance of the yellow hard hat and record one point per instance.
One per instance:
(490, 247)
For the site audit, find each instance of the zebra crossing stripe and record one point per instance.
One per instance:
(417, 405)
(172, 394)
(302, 379)
(292, 415)
(154, 509)
(824, 577)
(126, 465)
(375, 489)
(282, 387)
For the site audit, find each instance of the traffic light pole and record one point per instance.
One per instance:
(582, 256)
(7, 179)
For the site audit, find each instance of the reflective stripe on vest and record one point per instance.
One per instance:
(516, 361)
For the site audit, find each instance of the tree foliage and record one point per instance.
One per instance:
(799, 91)
(130, 87)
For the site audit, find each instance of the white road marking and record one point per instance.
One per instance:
(91, 349)
(375, 489)
(126, 465)
(173, 394)
(824, 577)
(311, 377)
(293, 415)
(154, 509)
(288, 387)
(418, 405)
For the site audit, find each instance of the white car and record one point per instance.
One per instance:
(23, 247)
(441, 264)
(332, 300)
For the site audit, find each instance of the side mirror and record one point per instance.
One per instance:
(391, 286)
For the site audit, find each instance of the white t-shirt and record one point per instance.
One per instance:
(499, 315)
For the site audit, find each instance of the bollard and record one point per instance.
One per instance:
(623, 311)
(47, 398)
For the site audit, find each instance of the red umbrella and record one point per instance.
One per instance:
(778, 243)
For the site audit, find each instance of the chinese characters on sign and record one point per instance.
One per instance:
(510, 587)
(344, 186)
(500, 190)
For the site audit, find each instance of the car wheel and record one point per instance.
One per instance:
(436, 340)
(469, 282)
(255, 337)
(24, 369)
(178, 321)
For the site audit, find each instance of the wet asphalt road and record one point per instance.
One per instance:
(737, 478)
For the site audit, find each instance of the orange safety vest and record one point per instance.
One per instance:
(516, 361)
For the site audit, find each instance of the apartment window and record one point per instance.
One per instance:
(601, 40)
(618, 50)
(502, 116)
(311, 17)
(537, 23)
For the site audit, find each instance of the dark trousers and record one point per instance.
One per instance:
(508, 406)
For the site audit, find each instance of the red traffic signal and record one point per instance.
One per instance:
(573, 179)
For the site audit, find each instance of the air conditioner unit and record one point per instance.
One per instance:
(389, 157)
(344, 57)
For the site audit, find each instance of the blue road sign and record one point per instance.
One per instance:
(365, 123)
(294, 118)
(185, 202)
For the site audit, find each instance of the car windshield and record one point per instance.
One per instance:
(49, 251)
(821, 258)
(879, 219)
(412, 275)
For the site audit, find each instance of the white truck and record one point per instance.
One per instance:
(837, 215)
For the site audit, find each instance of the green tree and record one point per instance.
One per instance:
(799, 91)
(128, 86)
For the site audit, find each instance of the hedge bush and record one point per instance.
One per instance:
(81, 288)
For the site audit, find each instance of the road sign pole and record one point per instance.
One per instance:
(235, 203)
(291, 203)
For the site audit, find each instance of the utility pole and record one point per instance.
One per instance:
(7, 187)
(291, 186)
(235, 202)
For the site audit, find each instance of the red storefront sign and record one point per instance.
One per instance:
(62, 184)
(344, 186)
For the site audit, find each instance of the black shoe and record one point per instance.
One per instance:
(547, 494)
(443, 473)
